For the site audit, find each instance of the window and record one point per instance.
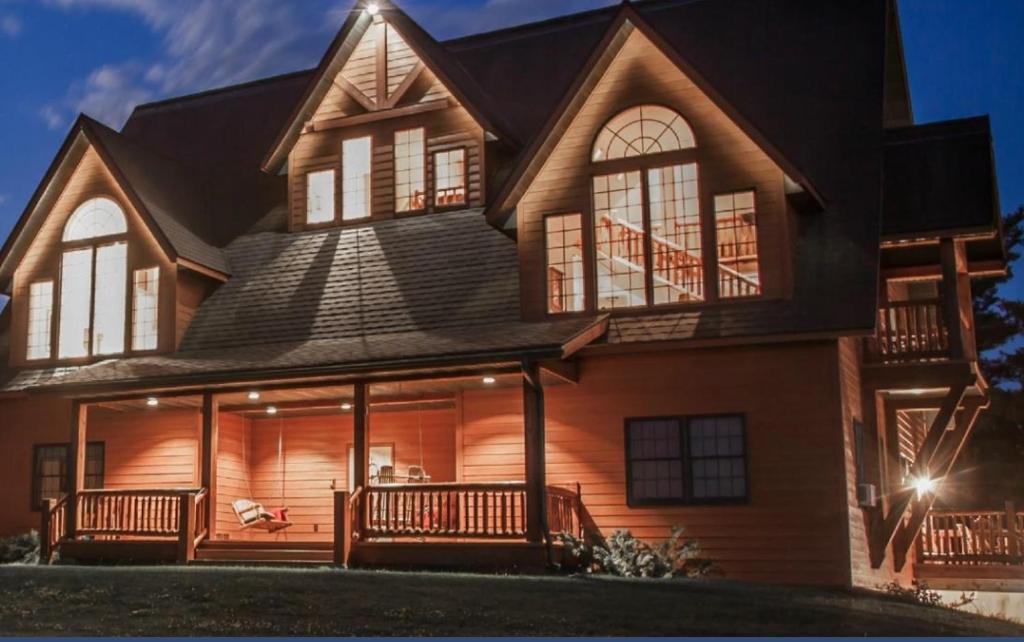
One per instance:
(685, 460)
(93, 283)
(40, 319)
(736, 232)
(639, 131)
(145, 309)
(678, 273)
(450, 178)
(410, 170)
(620, 241)
(320, 197)
(50, 471)
(356, 160)
(563, 234)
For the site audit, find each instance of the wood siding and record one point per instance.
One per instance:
(90, 178)
(728, 161)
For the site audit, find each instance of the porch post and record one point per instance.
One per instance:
(1013, 548)
(76, 464)
(536, 481)
(360, 442)
(951, 256)
(211, 440)
(342, 528)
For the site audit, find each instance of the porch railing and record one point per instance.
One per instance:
(54, 527)
(492, 511)
(976, 537)
(910, 330)
(565, 511)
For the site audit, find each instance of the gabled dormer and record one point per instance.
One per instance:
(389, 126)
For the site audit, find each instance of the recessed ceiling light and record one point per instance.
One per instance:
(372, 8)
(346, 406)
(271, 410)
(254, 396)
(152, 402)
(490, 380)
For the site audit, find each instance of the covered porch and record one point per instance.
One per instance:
(389, 470)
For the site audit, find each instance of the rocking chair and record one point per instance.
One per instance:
(252, 515)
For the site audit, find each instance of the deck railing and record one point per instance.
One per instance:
(564, 511)
(910, 330)
(491, 511)
(976, 537)
(54, 527)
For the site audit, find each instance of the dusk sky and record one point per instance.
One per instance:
(103, 57)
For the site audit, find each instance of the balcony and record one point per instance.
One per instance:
(910, 331)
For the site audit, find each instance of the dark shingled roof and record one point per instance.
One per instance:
(348, 297)
(940, 177)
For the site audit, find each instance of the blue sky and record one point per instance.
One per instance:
(104, 56)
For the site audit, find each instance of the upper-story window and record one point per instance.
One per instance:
(647, 222)
(356, 162)
(410, 170)
(320, 197)
(450, 178)
(93, 281)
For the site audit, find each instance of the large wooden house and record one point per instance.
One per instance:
(432, 303)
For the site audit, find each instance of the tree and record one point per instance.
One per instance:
(994, 457)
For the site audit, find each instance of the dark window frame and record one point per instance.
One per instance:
(687, 498)
(36, 490)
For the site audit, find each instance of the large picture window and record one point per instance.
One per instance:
(686, 460)
(50, 471)
(356, 161)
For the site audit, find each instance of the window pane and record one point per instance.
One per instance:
(655, 460)
(736, 233)
(676, 234)
(51, 473)
(94, 218)
(320, 196)
(145, 301)
(40, 318)
(619, 241)
(75, 299)
(111, 286)
(718, 459)
(450, 178)
(410, 171)
(355, 178)
(94, 466)
(649, 129)
(564, 246)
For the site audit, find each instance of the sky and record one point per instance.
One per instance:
(102, 57)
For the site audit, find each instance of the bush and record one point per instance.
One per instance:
(626, 556)
(20, 549)
(919, 593)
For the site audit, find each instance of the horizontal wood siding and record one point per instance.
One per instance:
(728, 160)
(42, 261)
(153, 449)
(232, 472)
(792, 530)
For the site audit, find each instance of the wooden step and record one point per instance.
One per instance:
(271, 554)
(232, 545)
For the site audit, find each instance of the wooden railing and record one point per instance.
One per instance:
(491, 511)
(911, 330)
(564, 511)
(977, 537)
(130, 513)
(201, 503)
(54, 527)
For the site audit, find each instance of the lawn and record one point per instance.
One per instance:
(241, 601)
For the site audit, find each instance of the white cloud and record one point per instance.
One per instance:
(4, 198)
(10, 26)
(51, 116)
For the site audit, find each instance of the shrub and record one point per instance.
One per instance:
(20, 549)
(919, 593)
(626, 556)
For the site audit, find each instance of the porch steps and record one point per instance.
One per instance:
(314, 553)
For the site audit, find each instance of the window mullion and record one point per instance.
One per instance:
(649, 238)
(92, 303)
(687, 465)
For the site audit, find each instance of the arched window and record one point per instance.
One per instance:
(93, 281)
(639, 131)
(95, 218)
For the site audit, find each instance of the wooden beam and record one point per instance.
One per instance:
(567, 371)
(76, 463)
(536, 466)
(211, 441)
(382, 60)
(355, 94)
(187, 528)
(342, 528)
(950, 255)
(383, 114)
(404, 86)
(360, 440)
(910, 376)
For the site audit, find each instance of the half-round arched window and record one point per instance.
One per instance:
(639, 131)
(95, 218)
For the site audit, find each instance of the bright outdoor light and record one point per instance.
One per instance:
(489, 380)
(152, 402)
(372, 8)
(254, 396)
(923, 486)
(271, 410)
(346, 406)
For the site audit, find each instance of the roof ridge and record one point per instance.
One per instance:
(207, 93)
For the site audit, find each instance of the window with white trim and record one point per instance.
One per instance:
(320, 197)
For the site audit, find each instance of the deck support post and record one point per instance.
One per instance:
(536, 465)
(1013, 547)
(76, 464)
(187, 528)
(360, 440)
(45, 526)
(211, 441)
(342, 528)
(951, 257)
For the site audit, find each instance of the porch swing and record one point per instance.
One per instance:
(252, 514)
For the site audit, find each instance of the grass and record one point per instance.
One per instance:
(212, 601)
